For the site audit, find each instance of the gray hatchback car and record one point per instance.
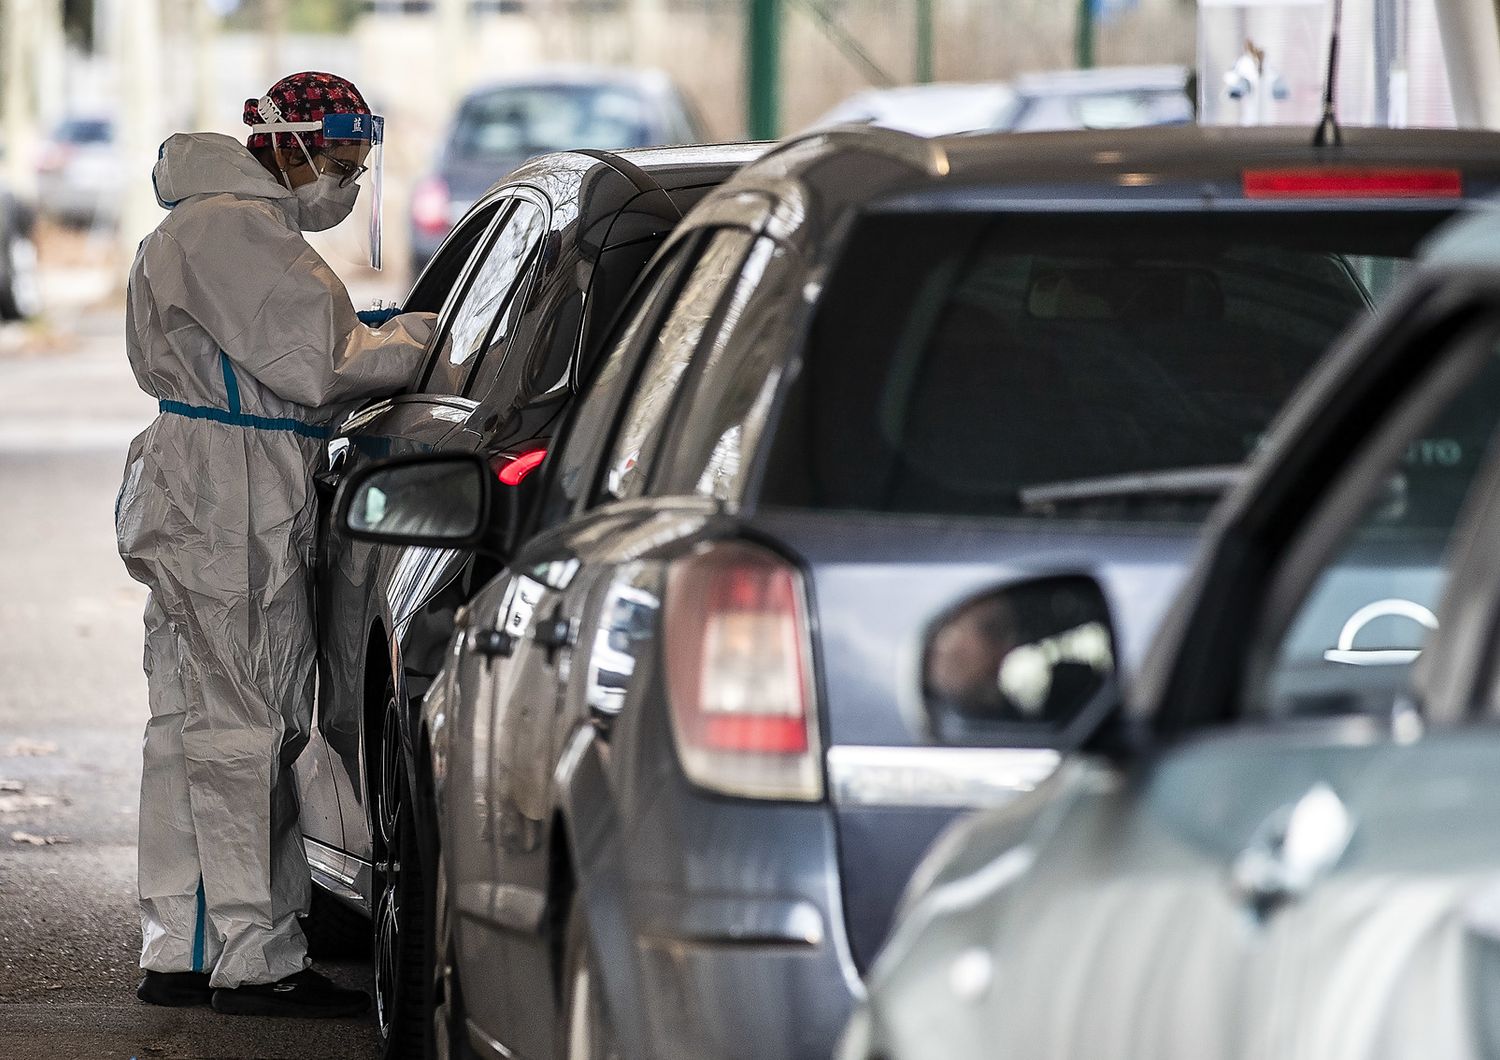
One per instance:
(1284, 842)
(681, 775)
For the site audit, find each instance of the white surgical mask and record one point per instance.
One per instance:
(322, 203)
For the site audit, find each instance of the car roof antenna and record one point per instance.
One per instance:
(1329, 134)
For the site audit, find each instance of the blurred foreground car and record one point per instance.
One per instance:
(679, 778)
(20, 290)
(1115, 97)
(503, 124)
(78, 175)
(1284, 843)
(524, 289)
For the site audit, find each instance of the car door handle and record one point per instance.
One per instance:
(554, 634)
(490, 643)
(1292, 850)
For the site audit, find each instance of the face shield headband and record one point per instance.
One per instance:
(365, 134)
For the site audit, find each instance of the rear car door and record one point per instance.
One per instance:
(1311, 861)
(505, 700)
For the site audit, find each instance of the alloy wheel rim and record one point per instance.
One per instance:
(388, 906)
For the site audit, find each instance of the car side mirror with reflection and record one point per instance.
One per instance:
(440, 500)
(1026, 664)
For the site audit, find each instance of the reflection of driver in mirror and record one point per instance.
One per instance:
(964, 657)
(992, 661)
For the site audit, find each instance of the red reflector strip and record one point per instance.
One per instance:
(520, 466)
(753, 732)
(1338, 183)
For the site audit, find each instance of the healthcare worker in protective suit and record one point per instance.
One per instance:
(251, 345)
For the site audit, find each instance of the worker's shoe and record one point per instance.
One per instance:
(305, 994)
(175, 989)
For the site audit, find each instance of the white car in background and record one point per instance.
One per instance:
(79, 174)
(1116, 97)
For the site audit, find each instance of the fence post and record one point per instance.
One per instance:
(763, 68)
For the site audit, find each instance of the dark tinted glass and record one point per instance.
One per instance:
(479, 320)
(571, 471)
(533, 120)
(1066, 366)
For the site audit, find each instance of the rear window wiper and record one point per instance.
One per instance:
(1182, 483)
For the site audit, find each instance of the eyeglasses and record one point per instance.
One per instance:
(347, 172)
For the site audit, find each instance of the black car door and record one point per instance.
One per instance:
(325, 782)
(360, 582)
(1308, 861)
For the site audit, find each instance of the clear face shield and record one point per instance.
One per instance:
(343, 201)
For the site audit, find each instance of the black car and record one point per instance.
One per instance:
(501, 125)
(524, 286)
(676, 765)
(1281, 841)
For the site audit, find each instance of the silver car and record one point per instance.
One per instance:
(1282, 841)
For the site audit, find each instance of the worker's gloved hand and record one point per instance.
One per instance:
(376, 317)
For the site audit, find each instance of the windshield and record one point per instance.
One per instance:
(534, 120)
(1068, 366)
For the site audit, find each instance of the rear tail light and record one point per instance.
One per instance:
(512, 468)
(739, 674)
(429, 206)
(1352, 183)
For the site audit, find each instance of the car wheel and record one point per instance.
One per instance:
(333, 929)
(402, 980)
(450, 1034)
(21, 294)
(585, 1032)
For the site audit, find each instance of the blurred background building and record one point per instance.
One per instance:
(91, 87)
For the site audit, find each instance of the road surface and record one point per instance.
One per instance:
(72, 709)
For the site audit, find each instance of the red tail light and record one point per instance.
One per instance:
(429, 206)
(1353, 183)
(739, 674)
(511, 470)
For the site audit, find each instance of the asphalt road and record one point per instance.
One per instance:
(72, 709)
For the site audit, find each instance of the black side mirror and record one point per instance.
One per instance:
(1023, 665)
(440, 500)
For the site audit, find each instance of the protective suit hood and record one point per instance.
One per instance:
(191, 164)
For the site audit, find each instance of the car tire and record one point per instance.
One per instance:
(335, 930)
(584, 1030)
(450, 1024)
(20, 293)
(402, 904)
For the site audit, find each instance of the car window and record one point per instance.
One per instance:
(1066, 367)
(628, 466)
(1365, 620)
(734, 386)
(436, 283)
(1107, 110)
(489, 293)
(569, 471)
(509, 124)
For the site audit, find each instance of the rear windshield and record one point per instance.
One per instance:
(1068, 366)
(511, 122)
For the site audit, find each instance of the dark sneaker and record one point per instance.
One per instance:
(305, 994)
(175, 989)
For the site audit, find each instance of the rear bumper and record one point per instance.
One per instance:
(740, 978)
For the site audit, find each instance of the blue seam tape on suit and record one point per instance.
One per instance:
(198, 930)
(242, 419)
(231, 384)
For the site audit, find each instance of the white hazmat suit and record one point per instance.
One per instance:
(250, 343)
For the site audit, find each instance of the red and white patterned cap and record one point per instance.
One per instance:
(307, 96)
